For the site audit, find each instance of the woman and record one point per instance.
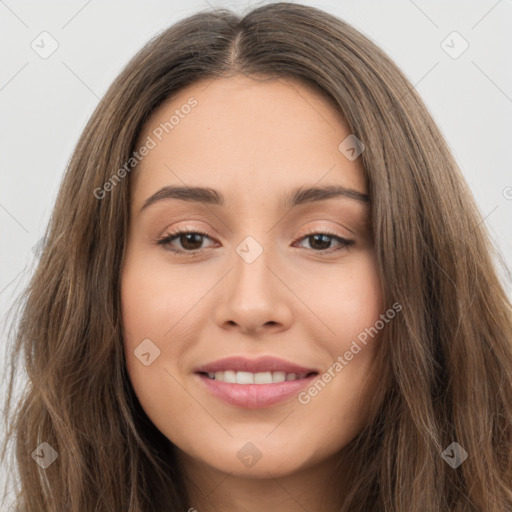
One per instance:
(190, 346)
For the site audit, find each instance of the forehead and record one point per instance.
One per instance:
(245, 135)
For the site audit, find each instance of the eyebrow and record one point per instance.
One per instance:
(298, 196)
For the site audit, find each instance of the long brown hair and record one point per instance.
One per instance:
(448, 354)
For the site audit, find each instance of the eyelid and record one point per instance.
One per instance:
(303, 231)
(325, 230)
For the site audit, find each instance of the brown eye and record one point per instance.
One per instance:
(190, 241)
(321, 242)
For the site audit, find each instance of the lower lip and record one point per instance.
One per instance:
(255, 396)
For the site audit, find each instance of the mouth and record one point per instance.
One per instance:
(254, 384)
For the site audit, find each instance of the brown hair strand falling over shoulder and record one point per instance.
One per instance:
(449, 355)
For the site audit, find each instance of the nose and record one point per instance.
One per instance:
(255, 297)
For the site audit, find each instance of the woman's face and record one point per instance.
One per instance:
(264, 284)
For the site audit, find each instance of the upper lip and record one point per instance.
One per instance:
(261, 364)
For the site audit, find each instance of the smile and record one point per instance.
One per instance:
(234, 377)
(254, 383)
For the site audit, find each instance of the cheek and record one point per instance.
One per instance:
(361, 299)
(148, 311)
(151, 306)
(160, 304)
(153, 298)
(349, 300)
(353, 305)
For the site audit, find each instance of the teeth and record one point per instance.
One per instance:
(244, 378)
(263, 378)
(278, 377)
(233, 377)
(229, 377)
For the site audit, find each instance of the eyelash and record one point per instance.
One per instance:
(169, 237)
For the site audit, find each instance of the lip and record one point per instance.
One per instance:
(261, 364)
(254, 396)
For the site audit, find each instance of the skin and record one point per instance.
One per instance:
(253, 141)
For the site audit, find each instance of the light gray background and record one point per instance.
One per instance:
(45, 103)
